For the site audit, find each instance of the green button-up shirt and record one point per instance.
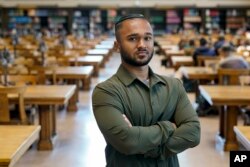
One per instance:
(152, 140)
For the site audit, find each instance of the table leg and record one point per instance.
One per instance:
(86, 82)
(222, 121)
(45, 120)
(54, 110)
(231, 120)
(72, 105)
(96, 70)
(75, 82)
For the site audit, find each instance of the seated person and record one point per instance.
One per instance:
(183, 42)
(190, 48)
(230, 60)
(218, 44)
(203, 50)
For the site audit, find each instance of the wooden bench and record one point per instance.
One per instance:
(15, 141)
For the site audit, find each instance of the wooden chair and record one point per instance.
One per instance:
(231, 77)
(63, 60)
(41, 72)
(201, 59)
(22, 79)
(5, 92)
(16, 69)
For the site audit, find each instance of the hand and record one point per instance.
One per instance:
(126, 119)
(174, 125)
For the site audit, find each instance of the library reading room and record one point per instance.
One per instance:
(68, 67)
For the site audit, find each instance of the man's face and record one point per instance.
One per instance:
(136, 42)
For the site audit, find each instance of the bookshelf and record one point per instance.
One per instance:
(235, 19)
(191, 19)
(1, 24)
(173, 20)
(80, 20)
(95, 23)
(57, 19)
(37, 18)
(214, 20)
(111, 18)
(158, 20)
(19, 19)
(248, 17)
(99, 20)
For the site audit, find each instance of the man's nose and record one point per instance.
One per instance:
(141, 43)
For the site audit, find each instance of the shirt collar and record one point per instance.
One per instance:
(127, 78)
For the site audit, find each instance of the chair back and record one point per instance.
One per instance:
(201, 59)
(22, 79)
(42, 71)
(231, 76)
(6, 93)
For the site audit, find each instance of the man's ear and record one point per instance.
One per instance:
(116, 46)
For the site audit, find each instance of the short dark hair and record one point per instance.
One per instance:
(203, 42)
(127, 17)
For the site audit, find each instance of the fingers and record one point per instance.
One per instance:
(126, 119)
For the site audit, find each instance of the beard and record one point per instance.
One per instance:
(133, 61)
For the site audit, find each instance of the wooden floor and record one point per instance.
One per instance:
(79, 142)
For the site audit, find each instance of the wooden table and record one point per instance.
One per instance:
(191, 72)
(109, 41)
(243, 135)
(232, 97)
(15, 141)
(45, 96)
(104, 52)
(177, 61)
(73, 74)
(200, 75)
(76, 73)
(174, 52)
(165, 71)
(169, 47)
(95, 61)
(98, 52)
(108, 46)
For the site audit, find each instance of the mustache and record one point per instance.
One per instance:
(142, 49)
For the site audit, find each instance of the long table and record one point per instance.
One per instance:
(232, 97)
(178, 61)
(15, 141)
(75, 74)
(199, 73)
(95, 61)
(46, 96)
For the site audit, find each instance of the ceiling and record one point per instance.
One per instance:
(126, 3)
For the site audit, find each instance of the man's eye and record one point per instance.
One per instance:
(132, 39)
(148, 38)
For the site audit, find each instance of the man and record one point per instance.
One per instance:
(203, 50)
(218, 44)
(145, 118)
(230, 60)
